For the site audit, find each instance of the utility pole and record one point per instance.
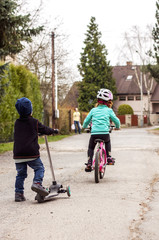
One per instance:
(53, 80)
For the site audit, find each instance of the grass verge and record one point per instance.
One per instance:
(4, 147)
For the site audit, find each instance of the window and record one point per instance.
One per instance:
(122, 98)
(138, 98)
(129, 77)
(130, 98)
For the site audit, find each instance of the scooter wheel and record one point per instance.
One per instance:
(68, 191)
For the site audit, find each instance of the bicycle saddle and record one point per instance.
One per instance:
(98, 140)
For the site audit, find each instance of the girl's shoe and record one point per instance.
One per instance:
(19, 197)
(110, 161)
(88, 167)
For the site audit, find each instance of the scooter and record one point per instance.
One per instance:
(55, 188)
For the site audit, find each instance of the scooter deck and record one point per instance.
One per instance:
(51, 195)
(41, 199)
(54, 191)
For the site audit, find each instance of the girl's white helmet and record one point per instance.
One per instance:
(105, 94)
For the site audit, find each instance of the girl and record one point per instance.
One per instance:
(100, 117)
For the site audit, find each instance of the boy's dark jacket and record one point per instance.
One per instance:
(26, 137)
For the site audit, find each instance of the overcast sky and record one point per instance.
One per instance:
(114, 17)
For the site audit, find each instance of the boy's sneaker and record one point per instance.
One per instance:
(110, 161)
(37, 187)
(19, 197)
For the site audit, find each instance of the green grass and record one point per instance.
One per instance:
(4, 147)
(52, 138)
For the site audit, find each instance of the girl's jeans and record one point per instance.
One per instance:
(21, 168)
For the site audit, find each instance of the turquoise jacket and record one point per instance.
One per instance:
(100, 118)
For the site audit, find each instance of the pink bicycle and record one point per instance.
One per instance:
(100, 161)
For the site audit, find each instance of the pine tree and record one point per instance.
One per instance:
(154, 70)
(14, 29)
(94, 68)
(155, 33)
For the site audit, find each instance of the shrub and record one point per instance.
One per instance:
(125, 109)
(16, 82)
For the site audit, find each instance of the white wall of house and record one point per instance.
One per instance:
(154, 119)
(135, 104)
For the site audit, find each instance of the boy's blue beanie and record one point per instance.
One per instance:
(24, 106)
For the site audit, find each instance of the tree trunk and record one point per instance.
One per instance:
(148, 108)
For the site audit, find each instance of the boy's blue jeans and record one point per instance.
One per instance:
(21, 168)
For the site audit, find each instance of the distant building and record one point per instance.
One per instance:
(70, 100)
(128, 92)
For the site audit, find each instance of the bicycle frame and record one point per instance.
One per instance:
(103, 161)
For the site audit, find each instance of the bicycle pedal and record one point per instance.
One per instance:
(110, 163)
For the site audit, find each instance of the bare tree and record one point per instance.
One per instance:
(135, 48)
(37, 57)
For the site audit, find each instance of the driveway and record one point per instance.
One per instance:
(123, 206)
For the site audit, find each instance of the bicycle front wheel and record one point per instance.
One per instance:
(96, 169)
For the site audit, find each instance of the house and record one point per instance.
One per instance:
(128, 92)
(70, 100)
(155, 100)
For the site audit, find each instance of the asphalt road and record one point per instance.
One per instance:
(123, 206)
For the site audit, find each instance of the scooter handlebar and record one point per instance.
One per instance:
(55, 131)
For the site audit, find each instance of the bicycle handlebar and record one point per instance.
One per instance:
(111, 128)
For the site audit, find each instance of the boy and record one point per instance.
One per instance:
(26, 149)
(100, 117)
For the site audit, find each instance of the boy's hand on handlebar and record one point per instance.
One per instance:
(41, 134)
(56, 131)
(116, 129)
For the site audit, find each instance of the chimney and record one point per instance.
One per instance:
(129, 63)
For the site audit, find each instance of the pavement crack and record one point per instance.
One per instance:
(145, 206)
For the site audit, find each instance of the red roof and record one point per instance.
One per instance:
(126, 81)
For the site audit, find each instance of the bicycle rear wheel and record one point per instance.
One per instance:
(102, 172)
(96, 169)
